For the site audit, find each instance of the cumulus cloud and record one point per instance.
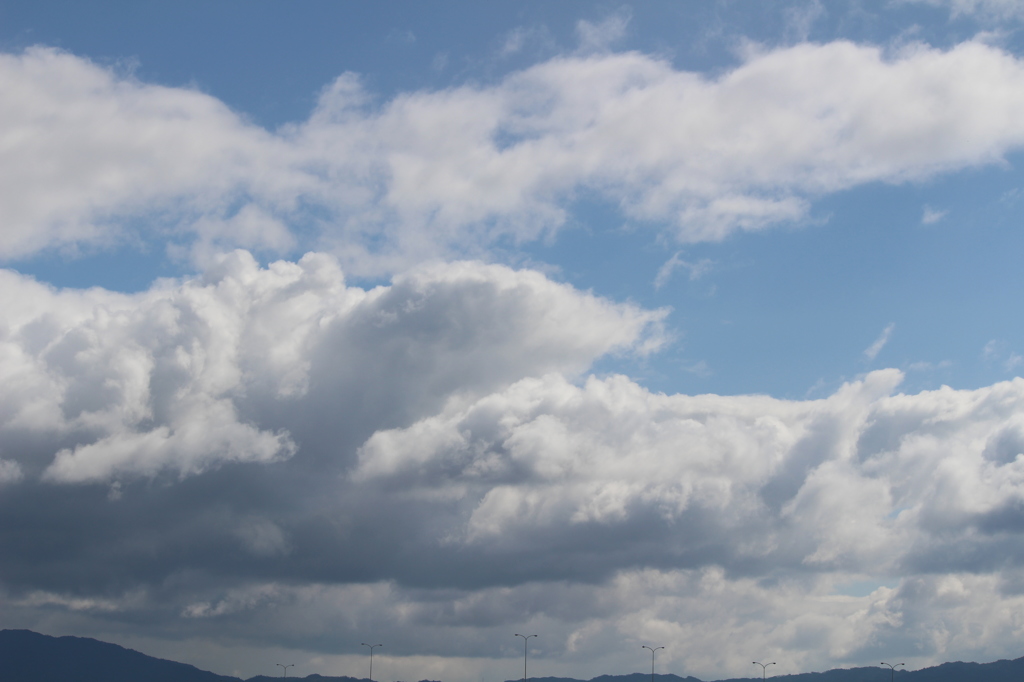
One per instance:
(90, 152)
(161, 381)
(549, 467)
(270, 453)
(714, 494)
(592, 511)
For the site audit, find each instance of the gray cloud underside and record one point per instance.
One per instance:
(272, 455)
(455, 171)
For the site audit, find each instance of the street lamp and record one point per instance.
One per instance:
(644, 646)
(892, 675)
(764, 668)
(526, 638)
(371, 657)
(290, 665)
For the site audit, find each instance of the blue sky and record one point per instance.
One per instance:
(786, 313)
(685, 324)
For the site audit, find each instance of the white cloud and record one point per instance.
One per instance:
(93, 157)
(696, 270)
(160, 381)
(86, 150)
(863, 483)
(743, 479)
(872, 351)
(930, 216)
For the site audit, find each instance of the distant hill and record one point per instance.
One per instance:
(27, 656)
(307, 678)
(632, 677)
(999, 671)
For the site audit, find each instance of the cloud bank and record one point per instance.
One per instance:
(94, 157)
(267, 454)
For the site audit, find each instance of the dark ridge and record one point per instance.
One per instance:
(631, 677)
(312, 678)
(999, 671)
(27, 656)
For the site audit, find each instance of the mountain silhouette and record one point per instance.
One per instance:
(27, 656)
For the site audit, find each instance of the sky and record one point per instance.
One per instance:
(691, 325)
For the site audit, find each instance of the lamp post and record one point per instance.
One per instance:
(764, 668)
(526, 638)
(290, 665)
(892, 668)
(371, 657)
(644, 646)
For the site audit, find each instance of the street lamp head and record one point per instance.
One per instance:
(652, 650)
(526, 639)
